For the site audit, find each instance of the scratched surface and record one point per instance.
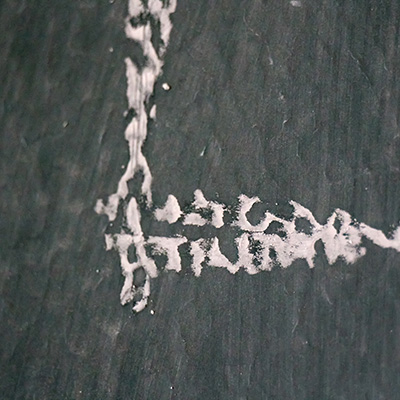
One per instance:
(289, 102)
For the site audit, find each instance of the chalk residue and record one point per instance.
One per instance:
(340, 235)
(140, 87)
(122, 242)
(169, 247)
(257, 248)
(201, 205)
(141, 81)
(171, 212)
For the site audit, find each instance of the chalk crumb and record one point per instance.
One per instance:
(111, 50)
(65, 124)
(152, 312)
(97, 271)
(153, 112)
(295, 3)
(166, 87)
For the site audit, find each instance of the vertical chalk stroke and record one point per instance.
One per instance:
(141, 81)
(259, 248)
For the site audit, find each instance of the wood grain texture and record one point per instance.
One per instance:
(290, 103)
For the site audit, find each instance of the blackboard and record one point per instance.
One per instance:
(284, 100)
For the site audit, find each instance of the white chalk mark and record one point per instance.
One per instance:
(198, 253)
(377, 237)
(217, 259)
(171, 212)
(216, 210)
(153, 112)
(245, 205)
(194, 219)
(257, 250)
(139, 89)
(121, 242)
(135, 8)
(169, 247)
(289, 243)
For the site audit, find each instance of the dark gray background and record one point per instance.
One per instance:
(237, 70)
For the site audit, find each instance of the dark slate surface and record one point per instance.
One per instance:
(238, 70)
